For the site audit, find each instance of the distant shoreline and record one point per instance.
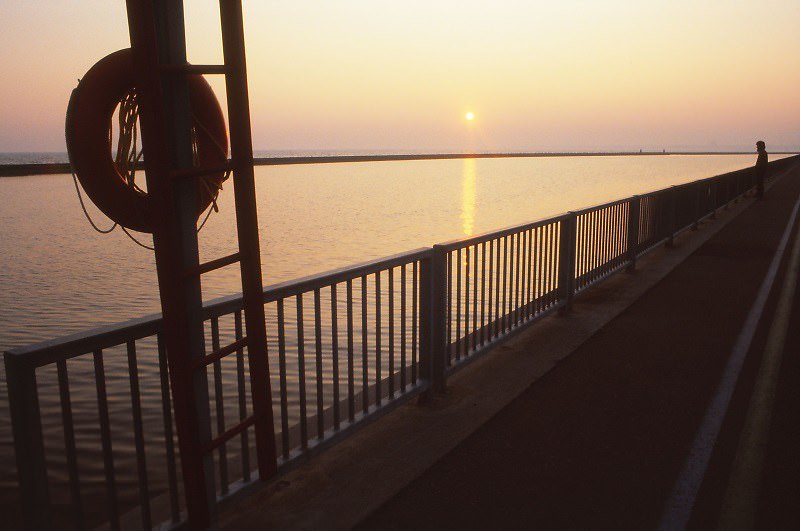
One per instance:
(21, 170)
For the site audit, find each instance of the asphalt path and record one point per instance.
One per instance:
(600, 441)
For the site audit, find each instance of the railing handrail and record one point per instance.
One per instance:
(72, 345)
(105, 336)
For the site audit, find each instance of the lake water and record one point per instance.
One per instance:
(59, 276)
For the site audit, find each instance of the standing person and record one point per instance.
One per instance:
(761, 168)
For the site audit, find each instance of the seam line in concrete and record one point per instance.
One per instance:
(679, 507)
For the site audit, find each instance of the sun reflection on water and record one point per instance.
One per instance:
(468, 196)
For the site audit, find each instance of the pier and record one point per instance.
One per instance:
(597, 419)
(586, 417)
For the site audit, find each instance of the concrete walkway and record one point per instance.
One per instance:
(598, 440)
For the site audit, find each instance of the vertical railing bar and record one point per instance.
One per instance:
(505, 285)
(526, 260)
(513, 296)
(403, 297)
(351, 400)
(536, 266)
(483, 293)
(609, 237)
(577, 268)
(449, 307)
(509, 291)
(364, 348)
(583, 239)
(284, 392)
(590, 240)
(517, 278)
(301, 372)
(499, 289)
(337, 418)
(414, 323)
(490, 292)
(391, 333)
(529, 297)
(597, 240)
(603, 241)
(69, 444)
(105, 438)
(524, 275)
(553, 262)
(616, 218)
(468, 253)
(378, 342)
(242, 393)
(138, 436)
(553, 236)
(458, 305)
(547, 263)
(622, 233)
(318, 363)
(166, 413)
(474, 332)
(220, 407)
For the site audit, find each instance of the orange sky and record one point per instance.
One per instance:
(399, 76)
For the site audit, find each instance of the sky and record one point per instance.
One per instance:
(388, 76)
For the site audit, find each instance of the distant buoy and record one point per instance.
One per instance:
(89, 114)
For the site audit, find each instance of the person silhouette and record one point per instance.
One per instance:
(761, 168)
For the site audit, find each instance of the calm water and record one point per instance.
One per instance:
(59, 276)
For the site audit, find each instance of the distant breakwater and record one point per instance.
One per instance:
(19, 170)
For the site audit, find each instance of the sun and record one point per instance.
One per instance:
(469, 116)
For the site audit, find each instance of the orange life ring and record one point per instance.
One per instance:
(89, 115)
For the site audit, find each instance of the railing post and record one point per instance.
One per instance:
(672, 205)
(633, 232)
(566, 260)
(432, 316)
(26, 422)
(713, 198)
(697, 215)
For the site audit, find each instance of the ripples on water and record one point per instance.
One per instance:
(58, 276)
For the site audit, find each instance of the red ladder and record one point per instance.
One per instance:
(159, 48)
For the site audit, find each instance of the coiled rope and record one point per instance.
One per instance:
(128, 157)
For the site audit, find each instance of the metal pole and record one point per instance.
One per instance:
(634, 209)
(433, 317)
(23, 404)
(157, 37)
(672, 205)
(566, 260)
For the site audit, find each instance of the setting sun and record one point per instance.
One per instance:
(469, 116)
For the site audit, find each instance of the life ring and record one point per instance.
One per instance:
(89, 113)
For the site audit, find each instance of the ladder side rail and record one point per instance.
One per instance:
(247, 227)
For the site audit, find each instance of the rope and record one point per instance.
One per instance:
(128, 157)
(137, 242)
(86, 212)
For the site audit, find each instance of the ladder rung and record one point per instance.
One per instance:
(221, 353)
(194, 69)
(214, 264)
(201, 171)
(231, 433)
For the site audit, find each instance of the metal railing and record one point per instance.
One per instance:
(345, 347)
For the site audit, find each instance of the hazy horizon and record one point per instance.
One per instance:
(383, 77)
